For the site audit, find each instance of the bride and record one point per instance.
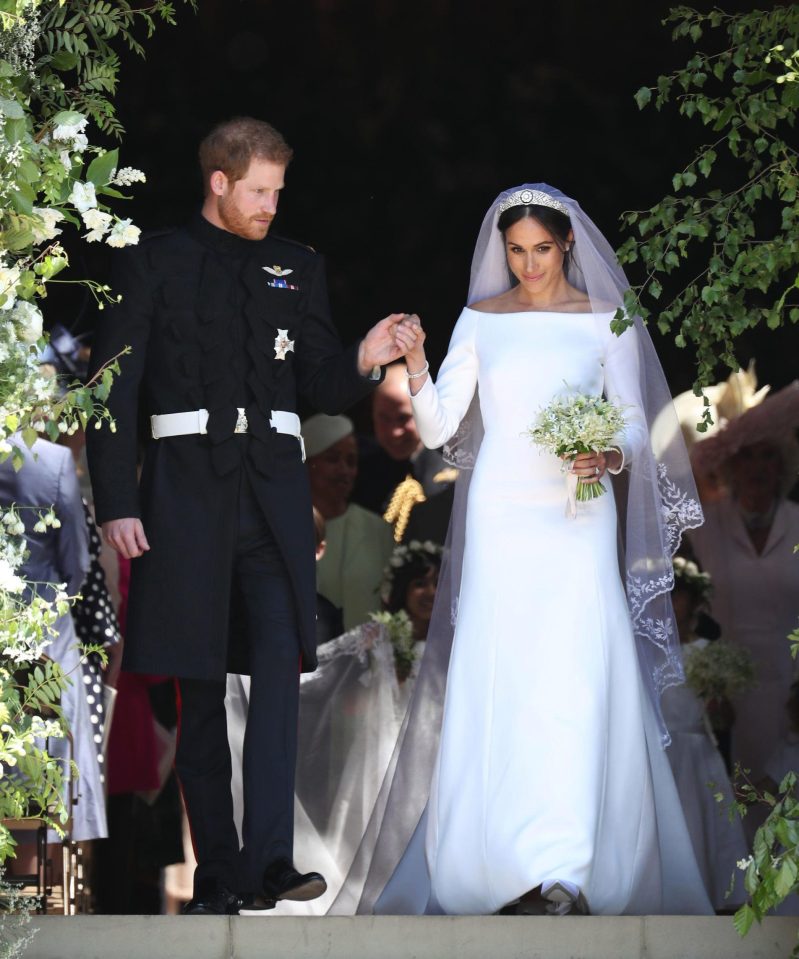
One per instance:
(531, 764)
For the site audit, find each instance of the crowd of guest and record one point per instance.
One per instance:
(381, 508)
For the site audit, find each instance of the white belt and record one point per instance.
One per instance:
(196, 421)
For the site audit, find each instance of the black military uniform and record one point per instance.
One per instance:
(222, 324)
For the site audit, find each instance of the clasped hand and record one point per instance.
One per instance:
(393, 337)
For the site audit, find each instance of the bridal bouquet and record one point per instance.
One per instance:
(718, 670)
(399, 630)
(577, 423)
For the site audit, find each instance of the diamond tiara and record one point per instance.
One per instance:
(532, 197)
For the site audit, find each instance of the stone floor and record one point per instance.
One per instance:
(402, 937)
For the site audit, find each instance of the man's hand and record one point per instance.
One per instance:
(126, 536)
(380, 346)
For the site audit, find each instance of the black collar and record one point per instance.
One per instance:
(222, 241)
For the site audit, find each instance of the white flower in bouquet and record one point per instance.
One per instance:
(49, 228)
(97, 223)
(127, 176)
(28, 319)
(577, 423)
(124, 233)
(83, 196)
(718, 670)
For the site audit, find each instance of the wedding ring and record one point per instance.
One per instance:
(596, 471)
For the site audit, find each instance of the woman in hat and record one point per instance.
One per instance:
(747, 546)
(358, 541)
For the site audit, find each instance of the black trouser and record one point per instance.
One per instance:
(203, 759)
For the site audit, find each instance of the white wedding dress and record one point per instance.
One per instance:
(549, 763)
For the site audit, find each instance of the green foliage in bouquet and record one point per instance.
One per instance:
(718, 670)
(399, 630)
(720, 255)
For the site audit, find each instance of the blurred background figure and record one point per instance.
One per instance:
(747, 547)
(351, 711)
(726, 402)
(60, 555)
(397, 474)
(134, 752)
(358, 542)
(698, 767)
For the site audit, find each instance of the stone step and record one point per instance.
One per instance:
(406, 937)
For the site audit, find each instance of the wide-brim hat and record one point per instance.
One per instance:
(320, 432)
(774, 420)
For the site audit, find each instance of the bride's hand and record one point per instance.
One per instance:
(410, 338)
(591, 467)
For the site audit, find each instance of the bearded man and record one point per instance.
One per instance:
(227, 325)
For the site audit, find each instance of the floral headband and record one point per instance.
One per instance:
(404, 555)
(687, 572)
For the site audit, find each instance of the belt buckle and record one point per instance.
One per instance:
(241, 421)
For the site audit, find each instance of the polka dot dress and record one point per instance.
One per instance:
(96, 623)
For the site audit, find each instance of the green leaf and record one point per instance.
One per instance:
(23, 201)
(101, 168)
(786, 877)
(643, 97)
(706, 162)
(67, 117)
(29, 436)
(743, 919)
(62, 60)
(12, 109)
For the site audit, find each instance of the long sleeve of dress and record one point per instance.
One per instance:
(622, 386)
(439, 407)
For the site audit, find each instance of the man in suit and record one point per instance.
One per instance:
(227, 325)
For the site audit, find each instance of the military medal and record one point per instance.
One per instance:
(283, 344)
(278, 272)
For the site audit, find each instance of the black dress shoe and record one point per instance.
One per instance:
(212, 898)
(282, 881)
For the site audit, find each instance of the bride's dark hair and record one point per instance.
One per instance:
(555, 222)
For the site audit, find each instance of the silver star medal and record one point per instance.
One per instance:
(283, 344)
